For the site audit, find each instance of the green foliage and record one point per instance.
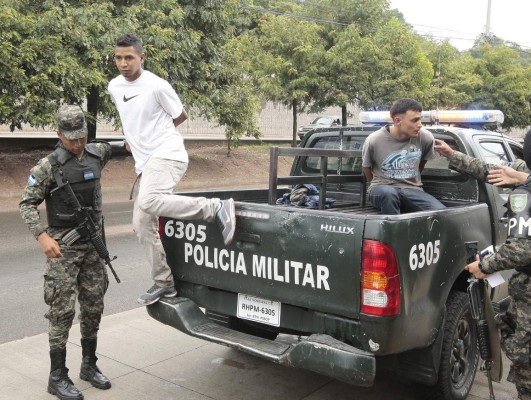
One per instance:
(62, 51)
(284, 57)
(506, 84)
(27, 74)
(224, 57)
(375, 70)
(454, 81)
(51, 55)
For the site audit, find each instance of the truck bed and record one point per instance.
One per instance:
(345, 202)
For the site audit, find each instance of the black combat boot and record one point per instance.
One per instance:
(89, 371)
(59, 383)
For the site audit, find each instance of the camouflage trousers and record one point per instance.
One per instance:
(79, 273)
(516, 344)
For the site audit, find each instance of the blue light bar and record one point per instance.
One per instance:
(467, 117)
(375, 117)
(383, 117)
(444, 117)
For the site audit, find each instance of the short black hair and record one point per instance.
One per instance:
(402, 106)
(130, 40)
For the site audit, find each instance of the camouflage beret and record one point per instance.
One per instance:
(71, 122)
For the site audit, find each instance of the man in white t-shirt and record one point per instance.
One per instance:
(393, 158)
(150, 111)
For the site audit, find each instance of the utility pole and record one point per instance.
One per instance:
(487, 26)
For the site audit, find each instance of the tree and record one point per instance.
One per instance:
(336, 15)
(375, 70)
(333, 17)
(339, 19)
(454, 80)
(285, 55)
(61, 50)
(237, 105)
(38, 70)
(506, 85)
(85, 30)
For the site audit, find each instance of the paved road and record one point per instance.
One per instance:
(22, 268)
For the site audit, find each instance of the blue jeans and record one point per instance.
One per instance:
(391, 200)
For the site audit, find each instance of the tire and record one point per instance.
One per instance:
(460, 353)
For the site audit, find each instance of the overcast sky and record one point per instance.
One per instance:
(462, 21)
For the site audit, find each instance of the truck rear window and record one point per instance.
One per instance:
(350, 165)
(437, 166)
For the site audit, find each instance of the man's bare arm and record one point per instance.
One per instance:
(368, 173)
(180, 119)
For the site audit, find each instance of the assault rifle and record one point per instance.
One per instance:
(483, 315)
(86, 227)
(476, 296)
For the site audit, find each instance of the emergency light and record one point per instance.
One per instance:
(447, 117)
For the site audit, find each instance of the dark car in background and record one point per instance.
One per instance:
(323, 121)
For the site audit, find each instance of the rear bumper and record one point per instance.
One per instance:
(319, 353)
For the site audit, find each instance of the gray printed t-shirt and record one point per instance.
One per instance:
(395, 162)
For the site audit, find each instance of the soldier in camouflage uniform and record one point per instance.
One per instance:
(75, 270)
(514, 253)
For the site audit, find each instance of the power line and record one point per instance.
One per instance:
(344, 24)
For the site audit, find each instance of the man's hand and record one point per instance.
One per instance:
(506, 176)
(443, 148)
(473, 268)
(49, 246)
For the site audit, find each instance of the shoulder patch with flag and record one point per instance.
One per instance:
(32, 180)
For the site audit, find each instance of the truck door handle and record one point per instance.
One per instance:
(248, 241)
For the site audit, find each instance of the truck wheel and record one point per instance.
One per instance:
(241, 325)
(460, 354)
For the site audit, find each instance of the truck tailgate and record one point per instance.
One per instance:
(291, 255)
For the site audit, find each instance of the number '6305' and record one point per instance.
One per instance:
(180, 230)
(424, 254)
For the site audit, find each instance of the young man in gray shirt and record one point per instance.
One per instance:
(393, 158)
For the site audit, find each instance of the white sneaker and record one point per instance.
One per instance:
(226, 220)
(154, 293)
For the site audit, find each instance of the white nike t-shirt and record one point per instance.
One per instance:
(147, 107)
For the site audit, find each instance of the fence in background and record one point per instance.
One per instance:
(275, 120)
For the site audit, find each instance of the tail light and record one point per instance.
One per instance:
(380, 283)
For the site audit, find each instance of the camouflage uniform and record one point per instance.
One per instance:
(80, 272)
(514, 253)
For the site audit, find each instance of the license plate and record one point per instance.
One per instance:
(258, 309)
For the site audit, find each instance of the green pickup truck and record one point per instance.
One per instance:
(343, 290)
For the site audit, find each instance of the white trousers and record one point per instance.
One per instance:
(152, 198)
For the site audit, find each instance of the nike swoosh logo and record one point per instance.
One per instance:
(126, 99)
